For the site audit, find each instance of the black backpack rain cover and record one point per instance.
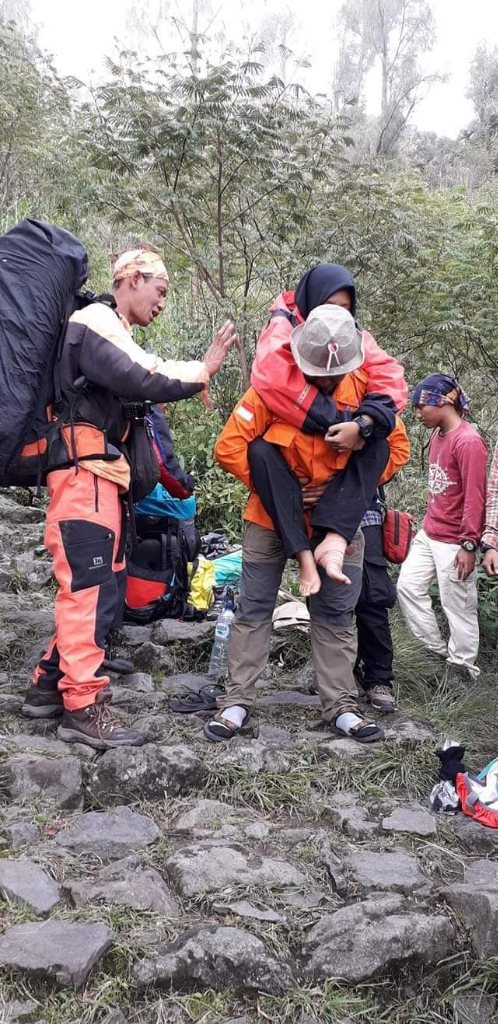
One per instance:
(41, 269)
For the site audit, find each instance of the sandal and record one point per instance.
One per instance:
(203, 699)
(363, 732)
(219, 728)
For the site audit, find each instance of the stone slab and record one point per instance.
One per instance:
(196, 871)
(414, 822)
(23, 880)
(109, 834)
(398, 871)
(63, 952)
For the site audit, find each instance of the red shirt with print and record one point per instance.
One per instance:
(457, 485)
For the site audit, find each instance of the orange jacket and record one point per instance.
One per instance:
(308, 455)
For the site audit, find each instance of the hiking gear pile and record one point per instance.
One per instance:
(475, 795)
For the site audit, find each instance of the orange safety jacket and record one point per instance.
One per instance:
(308, 455)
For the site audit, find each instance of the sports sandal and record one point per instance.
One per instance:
(219, 728)
(203, 699)
(363, 732)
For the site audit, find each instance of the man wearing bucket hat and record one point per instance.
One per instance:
(328, 349)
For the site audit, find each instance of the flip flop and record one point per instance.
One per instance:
(203, 699)
(220, 729)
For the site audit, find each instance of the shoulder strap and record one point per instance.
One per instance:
(78, 300)
(288, 316)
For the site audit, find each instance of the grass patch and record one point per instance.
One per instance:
(206, 1006)
(329, 1002)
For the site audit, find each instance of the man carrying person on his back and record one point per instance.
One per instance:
(101, 368)
(278, 380)
(270, 539)
(445, 548)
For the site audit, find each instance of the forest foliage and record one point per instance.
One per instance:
(220, 156)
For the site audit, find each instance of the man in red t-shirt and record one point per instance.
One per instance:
(446, 545)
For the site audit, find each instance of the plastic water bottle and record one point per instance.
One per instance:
(218, 665)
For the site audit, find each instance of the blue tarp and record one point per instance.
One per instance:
(228, 568)
(160, 503)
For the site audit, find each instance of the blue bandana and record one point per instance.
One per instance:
(439, 389)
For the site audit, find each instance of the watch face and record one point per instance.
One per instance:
(468, 545)
(366, 428)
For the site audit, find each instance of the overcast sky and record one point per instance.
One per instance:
(79, 43)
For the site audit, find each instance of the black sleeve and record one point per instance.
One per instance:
(106, 365)
(383, 412)
(323, 413)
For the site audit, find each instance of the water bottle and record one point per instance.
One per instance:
(218, 665)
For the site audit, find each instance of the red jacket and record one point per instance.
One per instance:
(281, 384)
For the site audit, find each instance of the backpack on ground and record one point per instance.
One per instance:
(42, 269)
(158, 580)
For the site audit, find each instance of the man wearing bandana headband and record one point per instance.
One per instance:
(101, 369)
(445, 548)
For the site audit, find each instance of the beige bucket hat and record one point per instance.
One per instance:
(328, 344)
(292, 613)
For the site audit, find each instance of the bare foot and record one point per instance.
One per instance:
(330, 556)
(309, 580)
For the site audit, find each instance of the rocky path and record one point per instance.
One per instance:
(291, 876)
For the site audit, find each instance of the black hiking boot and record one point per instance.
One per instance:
(42, 702)
(121, 666)
(219, 604)
(96, 726)
(456, 679)
(223, 598)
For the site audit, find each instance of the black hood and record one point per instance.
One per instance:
(320, 283)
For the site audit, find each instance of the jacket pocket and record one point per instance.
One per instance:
(281, 433)
(88, 548)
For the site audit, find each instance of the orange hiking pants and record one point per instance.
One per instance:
(85, 538)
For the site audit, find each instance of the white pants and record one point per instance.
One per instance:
(429, 559)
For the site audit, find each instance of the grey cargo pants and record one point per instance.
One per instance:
(333, 634)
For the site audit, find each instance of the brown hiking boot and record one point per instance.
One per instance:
(96, 726)
(42, 702)
(381, 698)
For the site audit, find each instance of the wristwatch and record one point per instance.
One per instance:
(486, 547)
(468, 545)
(366, 428)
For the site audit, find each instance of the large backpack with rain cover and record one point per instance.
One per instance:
(42, 269)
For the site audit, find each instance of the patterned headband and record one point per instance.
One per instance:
(146, 262)
(440, 389)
